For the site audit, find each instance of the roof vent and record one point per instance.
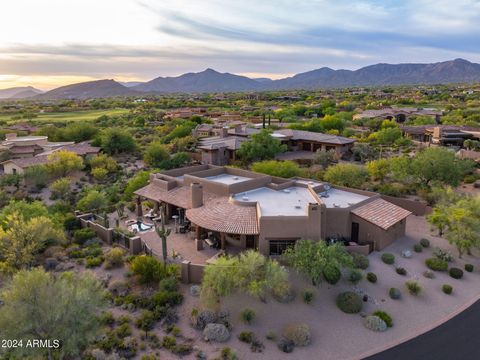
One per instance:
(287, 191)
(298, 207)
(245, 198)
(235, 178)
(336, 205)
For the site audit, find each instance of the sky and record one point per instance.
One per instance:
(49, 43)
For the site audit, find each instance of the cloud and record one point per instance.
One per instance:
(147, 38)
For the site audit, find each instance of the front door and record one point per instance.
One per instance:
(250, 242)
(354, 235)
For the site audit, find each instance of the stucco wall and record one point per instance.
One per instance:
(8, 168)
(369, 232)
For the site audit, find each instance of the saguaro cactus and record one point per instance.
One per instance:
(163, 233)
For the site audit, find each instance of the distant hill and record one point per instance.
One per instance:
(454, 71)
(90, 89)
(206, 81)
(19, 92)
(129, 84)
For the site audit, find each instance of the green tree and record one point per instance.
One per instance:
(62, 163)
(140, 180)
(250, 272)
(41, 306)
(349, 175)
(325, 158)
(286, 169)
(92, 201)
(364, 152)
(37, 175)
(156, 154)
(78, 132)
(103, 161)
(60, 188)
(27, 210)
(115, 140)
(23, 240)
(379, 169)
(311, 258)
(261, 146)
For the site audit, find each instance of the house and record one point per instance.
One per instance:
(247, 210)
(444, 135)
(19, 147)
(18, 166)
(399, 114)
(219, 150)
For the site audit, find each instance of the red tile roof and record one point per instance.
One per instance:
(382, 213)
(220, 215)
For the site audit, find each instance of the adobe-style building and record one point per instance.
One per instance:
(445, 135)
(400, 115)
(247, 210)
(19, 147)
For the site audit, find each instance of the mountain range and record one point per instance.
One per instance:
(19, 92)
(209, 80)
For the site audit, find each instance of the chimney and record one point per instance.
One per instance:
(224, 132)
(196, 191)
(10, 136)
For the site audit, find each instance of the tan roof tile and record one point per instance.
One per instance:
(381, 213)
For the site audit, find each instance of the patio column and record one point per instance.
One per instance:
(156, 207)
(222, 241)
(198, 232)
(139, 207)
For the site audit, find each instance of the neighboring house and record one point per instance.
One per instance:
(441, 134)
(247, 210)
(399, 114)
(18, 166)
(219, 150)
(28, 146)
(469, 154)
(299, 140)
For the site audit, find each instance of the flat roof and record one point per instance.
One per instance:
(228, 179)
(341, 199)
(292, 201)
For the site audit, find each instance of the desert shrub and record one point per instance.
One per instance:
(455, 273)
(106, 318)
(447, 289)
(122, 331)
(394, 293)
(388, 258)
(413, 287)
(169, 284)
(94, 261)
(371, 277)
(401, 271)
(355, 276)
(429, 274)
(384, 316)
(332, 274)
(123, 319)
(216, 332)
(469, 267)
(298, 333)
(247, 316)
(284, 294)
(307, 296)
(182, 349)
(82, 235)
(150, 270)
(119, 288)
(349, 302)
(145, 321)
(286, 345)
(436, 264)
(228, 354)
(360, 261)
(246, 336)
(271, 335)
(164, 298)
(374, 323)
(443, 254)
(169, 342)
(72, 223)
(418, 248)
(425, 243)
(114, 258)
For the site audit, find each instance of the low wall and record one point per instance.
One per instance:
(192, 273)
(418, 208)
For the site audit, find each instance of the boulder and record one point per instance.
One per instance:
(204, 318)
(195, 290)
(406, 254)
(216, 333)
(50, 263)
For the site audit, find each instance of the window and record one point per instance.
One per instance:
(277, 247)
